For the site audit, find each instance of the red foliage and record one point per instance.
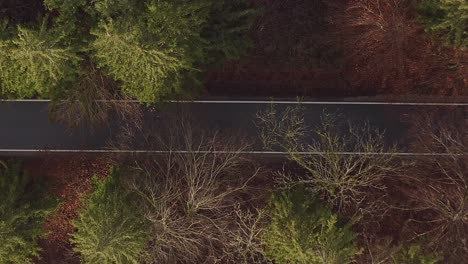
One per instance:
(386, 49)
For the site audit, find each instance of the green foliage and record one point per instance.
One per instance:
(157, 49)
(226, 29)
(153, 48)
(414, 254)
(23, 209)
(388, 251)
(449, 18)
(74, 21)
(156, 54)
(146, 72)
(110, 228)
(34, 63)
(118, 8)
(303, 231)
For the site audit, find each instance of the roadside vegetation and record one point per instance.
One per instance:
(24, 206)
(151, 49)
(213, 204)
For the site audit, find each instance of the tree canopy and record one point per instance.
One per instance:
(447, 18)
(153, 49)
(23, 209)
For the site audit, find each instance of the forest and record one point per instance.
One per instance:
(341, 193)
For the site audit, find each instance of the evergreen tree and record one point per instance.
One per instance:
(415, 254)
(34, 63)
(448, 18)
(226, 29)
(153, 48)
(23, 209)
(110, 228)
(303, 231)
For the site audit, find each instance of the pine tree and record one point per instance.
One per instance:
(226, 29)
(155, 54)
(34, 63)
(153, 48)
(23, 209)
(110, 228)
(303, 231)
(448, 18)
(146, 73)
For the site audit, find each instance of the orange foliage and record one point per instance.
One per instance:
(386, 50)
(70, 178)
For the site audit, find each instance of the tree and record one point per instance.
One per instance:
(159, 54)
(244, 244)
(438, 189)
(415, 254)
(303, 231)
(92, 102)
(447, 18)
(390, 33)
(228, 23)
(344, 163)
(23, 210)
(146, 73)
(153, 49)
(195, 200)
(35, 63)
(110, 228)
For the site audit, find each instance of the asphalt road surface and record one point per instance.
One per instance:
(25, 127)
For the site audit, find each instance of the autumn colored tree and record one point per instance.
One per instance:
(386, 50)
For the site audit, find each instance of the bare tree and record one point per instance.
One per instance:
(93, 101)
(193, 197)
(385, 48)
(244, 240)
(438, 185)
(346, 164)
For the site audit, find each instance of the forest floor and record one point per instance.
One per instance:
(69, 178)
(298, 52)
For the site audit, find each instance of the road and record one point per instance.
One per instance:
(25, 126)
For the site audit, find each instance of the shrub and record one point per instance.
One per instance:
(23, 209)
(303, 231)
(110, 228)
(448, 18)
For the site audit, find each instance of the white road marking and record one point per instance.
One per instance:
(261, 102)
(222, 152)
